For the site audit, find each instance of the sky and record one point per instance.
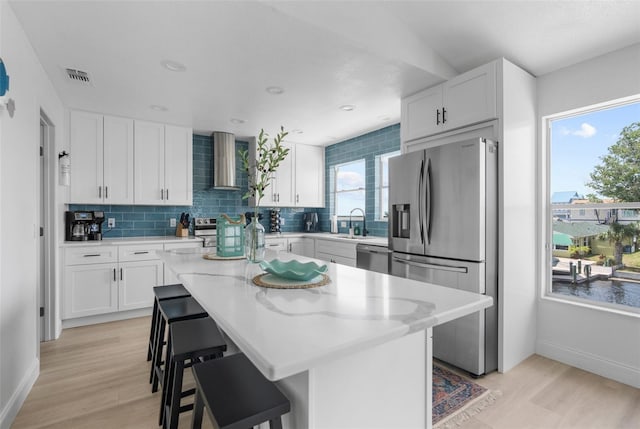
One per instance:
(578, 142)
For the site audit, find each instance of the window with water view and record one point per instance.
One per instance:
(594, 192)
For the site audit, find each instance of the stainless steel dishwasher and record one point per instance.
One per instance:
(374, 258)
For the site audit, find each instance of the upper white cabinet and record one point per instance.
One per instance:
(121, 161)
(464, 100)
(309, 176)
(101, 159)
(163, 164)
(299, 180)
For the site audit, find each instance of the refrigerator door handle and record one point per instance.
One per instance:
(432, 266)
(421, 202)
(429, 201)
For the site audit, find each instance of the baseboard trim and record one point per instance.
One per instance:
(589, 362)
(104, 318)
(10, 411)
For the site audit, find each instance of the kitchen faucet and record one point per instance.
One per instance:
(364, 221)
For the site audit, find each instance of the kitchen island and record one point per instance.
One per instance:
(355, 353)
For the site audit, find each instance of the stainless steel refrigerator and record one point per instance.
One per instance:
(443, 230)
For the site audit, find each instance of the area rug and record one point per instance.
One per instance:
(457, 398)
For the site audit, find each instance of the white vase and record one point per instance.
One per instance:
(254, 246)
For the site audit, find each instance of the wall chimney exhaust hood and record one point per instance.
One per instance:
(224, 161)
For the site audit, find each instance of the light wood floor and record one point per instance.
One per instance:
(97, 377)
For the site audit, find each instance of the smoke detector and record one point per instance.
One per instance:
(79, 76)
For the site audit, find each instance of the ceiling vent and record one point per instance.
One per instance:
(79, 76)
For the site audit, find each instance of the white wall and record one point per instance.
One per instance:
(19, 141)
(592, 339)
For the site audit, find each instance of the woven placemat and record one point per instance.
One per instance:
(275, 282)
(214, 257)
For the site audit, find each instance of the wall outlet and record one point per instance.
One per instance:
(281, 221)
(111, 222)
(343, 224)
(172, 221)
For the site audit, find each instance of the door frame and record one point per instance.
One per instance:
(49, 302)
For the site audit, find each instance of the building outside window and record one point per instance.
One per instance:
(593, 197)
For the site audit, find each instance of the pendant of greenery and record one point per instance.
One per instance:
(267, 160)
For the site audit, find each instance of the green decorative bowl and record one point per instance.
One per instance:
(294, 270)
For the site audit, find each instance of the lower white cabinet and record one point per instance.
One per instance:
(277, 244)
(136, 283)
(107, 279)
(336, 251)
(301, 246)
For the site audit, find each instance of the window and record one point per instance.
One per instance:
(594, 200)
(349, 187)
(382, 185)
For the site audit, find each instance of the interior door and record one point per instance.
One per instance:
(455, 193)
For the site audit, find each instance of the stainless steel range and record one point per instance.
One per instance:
(206, 228)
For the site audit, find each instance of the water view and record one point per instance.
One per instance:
(614, 291)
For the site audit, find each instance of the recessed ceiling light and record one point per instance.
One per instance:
(296, 131)
(158, 108)
(347, 107)
(173, 66)
(274, 90)
(237, 121)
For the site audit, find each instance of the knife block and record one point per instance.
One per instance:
(181, 231)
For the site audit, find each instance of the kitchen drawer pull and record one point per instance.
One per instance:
(91, 255)
(432, 266)
(141, 252)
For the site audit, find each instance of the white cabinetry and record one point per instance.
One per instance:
(336, 251)
(107, 279)
(301, 246)
(163, 164)
(299, 180)
(464, 100)
(101, 159)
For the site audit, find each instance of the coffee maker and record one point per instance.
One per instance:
(83, 225)
(310, 222)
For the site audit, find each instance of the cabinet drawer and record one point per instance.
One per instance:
(138, 252)
(346, 250)
(90, 255)
(351, 262)
(192, 244)
(277, 244)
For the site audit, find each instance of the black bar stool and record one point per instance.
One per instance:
(171, 310)
(236, 394)
(160, 294)
(189, 342)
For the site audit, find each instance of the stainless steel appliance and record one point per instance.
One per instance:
(443, 230)
(310, 222)
(82, 225)
(205, 228)
(373, 258)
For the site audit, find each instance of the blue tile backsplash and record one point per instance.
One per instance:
(141, 221)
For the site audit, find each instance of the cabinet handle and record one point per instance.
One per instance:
(120, 273)
(438, 117)
(114, 275)
(167, 194)
(90, 255)
(106, 192)
(297, 198)
(99, 191)
(140, 253)
(162, 194)
(289, 247)
(278, 196)
(444, 113)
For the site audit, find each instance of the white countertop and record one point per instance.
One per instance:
(370, 239)
(131, 240)
(285, 332)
